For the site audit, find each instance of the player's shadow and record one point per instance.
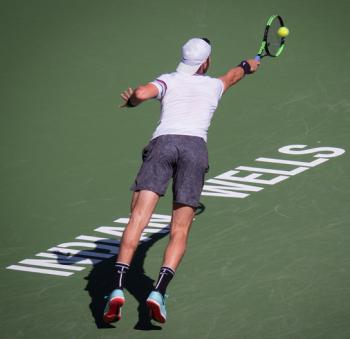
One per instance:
(101, 281)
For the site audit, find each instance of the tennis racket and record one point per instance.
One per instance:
(272, 44)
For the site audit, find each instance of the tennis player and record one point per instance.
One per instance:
(177, 151)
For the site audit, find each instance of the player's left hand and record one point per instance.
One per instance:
(125, 96)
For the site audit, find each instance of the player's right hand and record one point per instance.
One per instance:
(254, 64)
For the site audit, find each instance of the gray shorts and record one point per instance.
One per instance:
(181, 157)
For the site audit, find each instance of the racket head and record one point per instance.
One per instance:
(272, 44)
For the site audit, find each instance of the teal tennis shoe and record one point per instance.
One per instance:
(115, 302)
(156, 305)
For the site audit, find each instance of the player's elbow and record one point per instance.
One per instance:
(141, 93)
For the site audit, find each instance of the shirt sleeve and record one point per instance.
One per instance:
(161, 84)
(220, 88)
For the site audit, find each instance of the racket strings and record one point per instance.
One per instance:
(274, 41)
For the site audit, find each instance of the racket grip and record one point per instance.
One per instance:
(257, 58)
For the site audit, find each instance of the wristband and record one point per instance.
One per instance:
(129, 103)
(245, 66)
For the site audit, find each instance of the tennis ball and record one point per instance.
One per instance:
(283, 32)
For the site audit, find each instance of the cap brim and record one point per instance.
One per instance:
(188, 69)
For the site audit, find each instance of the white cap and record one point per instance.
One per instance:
(194, 52)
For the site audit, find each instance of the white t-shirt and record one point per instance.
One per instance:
(188, 103)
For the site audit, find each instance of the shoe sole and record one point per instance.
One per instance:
(155, 311)
(114, 310)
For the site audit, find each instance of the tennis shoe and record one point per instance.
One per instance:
(156, 305)
(113, 310)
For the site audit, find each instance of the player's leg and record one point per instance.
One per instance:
(134, 198)
(142, 205)
(142, 210)
(192, 165)
(182, 218)
(153, 176)
(188, 180)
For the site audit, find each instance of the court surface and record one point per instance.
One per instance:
(275, 264)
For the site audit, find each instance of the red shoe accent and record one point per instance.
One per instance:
(155, 311)
(114, 310)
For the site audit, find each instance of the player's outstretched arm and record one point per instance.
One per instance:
(237, 73)
(134, 97)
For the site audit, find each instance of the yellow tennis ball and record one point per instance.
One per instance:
(283, 32)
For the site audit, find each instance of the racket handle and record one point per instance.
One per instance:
(257, 58)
